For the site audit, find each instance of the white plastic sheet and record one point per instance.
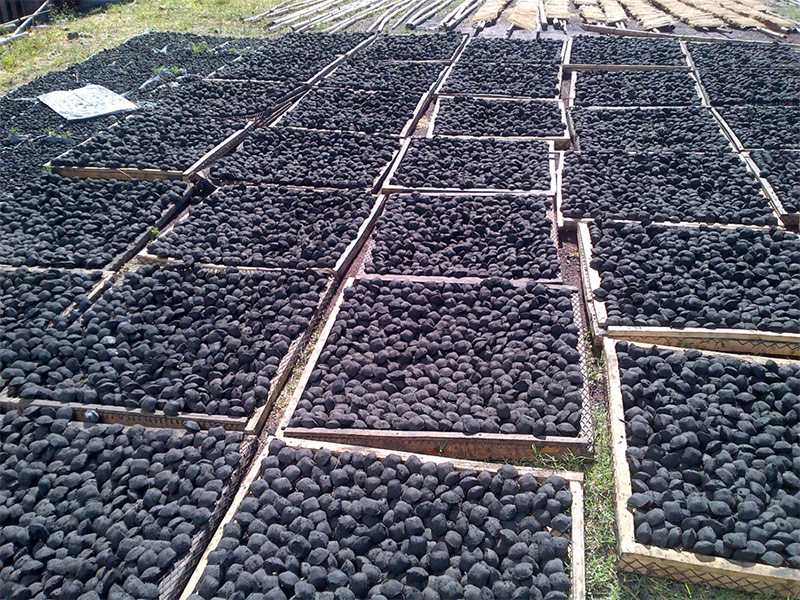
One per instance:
(86, 102)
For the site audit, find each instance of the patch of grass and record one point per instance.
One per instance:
(155, 232)
(198, 47)
(45, 50)
(13, 130)
(790, 11)
(58, 133)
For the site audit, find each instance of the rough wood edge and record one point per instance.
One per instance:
(745, 341)
(591, 281)
(671, 563)
(578, 545)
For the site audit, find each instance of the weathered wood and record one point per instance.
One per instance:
(676, 564)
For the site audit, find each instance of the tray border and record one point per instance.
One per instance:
(574, 479)
(747, 341)
(479, 446)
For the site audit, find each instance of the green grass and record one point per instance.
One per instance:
(790, 11)
(45, 50)
(603, 580)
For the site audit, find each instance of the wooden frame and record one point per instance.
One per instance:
(391, 188)
(189, 174)
(479, 446)
(571, 224)
(574, 84)
(747, 341)
(365, 274)
(338, 270)
(575, 482)
(250, 425)
(560, 142)
(677, 564)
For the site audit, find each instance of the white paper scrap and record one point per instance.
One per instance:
(86, 102)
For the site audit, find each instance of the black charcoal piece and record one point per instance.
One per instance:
(353, 110)
(742, 85)
(480, 236)
(367, 74)
(362, 566)
(196, 340)
(151, 141)
(412, 47)
(769, 127)
(308, 158)
(662, 276)
(726, 55)
(664, 186)
(690, 129)
(512, 51)
(50, 221)
(292, 57)
(203, 99)
(36, 299)
(463, 164)
(439, 357)
(782, 170)
(94, 529)
(739, 497)
(636, 88)
(529, 80)
(462, 115)
(612, 50)
(267, 227)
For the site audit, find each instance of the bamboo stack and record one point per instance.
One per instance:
(557, 9)
(613, 10)
(731, 17)
(490, 10)
(760, 12)
(649, 16)
(592, 13)
(694, 17)
(525, 14)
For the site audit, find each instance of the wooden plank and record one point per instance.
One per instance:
(578, 556)
(590, 279)
(571, 68)
(481, 446)
(676, 564)
(218, 151)
(745, 341)
(114, 173)
(787, 218)
(575, 481)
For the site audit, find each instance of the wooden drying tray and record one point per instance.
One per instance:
(190, 174)
(575, 481)
(370, 247)
(571, 224)
(249, 425)
(747, 341)
(573, 92)
(391, 188)
(479, 446)
(570, 67)
(338, 271)
(559, 142)
(678, 564)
